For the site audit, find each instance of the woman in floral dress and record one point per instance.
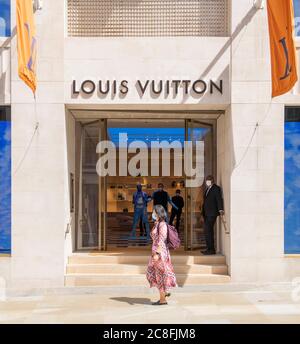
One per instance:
(160, 272)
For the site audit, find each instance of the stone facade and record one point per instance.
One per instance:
(253, 183)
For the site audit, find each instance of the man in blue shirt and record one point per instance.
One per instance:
(140, 200)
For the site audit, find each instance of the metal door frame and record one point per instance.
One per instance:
(188, 246)
(102, 217)
(187, 116)
(78, 240)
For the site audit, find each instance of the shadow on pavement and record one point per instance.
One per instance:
(133, 300)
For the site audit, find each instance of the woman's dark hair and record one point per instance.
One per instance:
(160, 212)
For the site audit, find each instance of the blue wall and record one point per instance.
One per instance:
(297, 17)
(5, 18)
(5, 187)
(292, 188)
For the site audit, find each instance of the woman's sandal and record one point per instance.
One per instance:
(167, 294)
(158, 303)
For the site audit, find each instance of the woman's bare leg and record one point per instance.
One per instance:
(162, 296)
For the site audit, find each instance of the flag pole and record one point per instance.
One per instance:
(31, 139)
(35, 112)
(259, 4)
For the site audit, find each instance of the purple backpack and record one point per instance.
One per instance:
(173, 241)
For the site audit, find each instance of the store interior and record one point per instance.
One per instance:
(119, 209)
(120, 189)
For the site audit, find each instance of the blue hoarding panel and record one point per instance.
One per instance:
(5, 30)
(292, 188)
(5, 187)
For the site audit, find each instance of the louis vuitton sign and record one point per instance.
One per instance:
(154, 88)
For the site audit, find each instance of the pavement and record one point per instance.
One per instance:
(222, 304)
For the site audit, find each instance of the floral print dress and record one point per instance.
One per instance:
(160, 274)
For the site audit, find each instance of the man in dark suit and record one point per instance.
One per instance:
(179, 202)
(213, 206)
(161, 197)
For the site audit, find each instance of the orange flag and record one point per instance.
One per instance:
(282, 45)
(26, 37)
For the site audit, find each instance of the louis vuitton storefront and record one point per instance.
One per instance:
(105, 204)
(154, 77)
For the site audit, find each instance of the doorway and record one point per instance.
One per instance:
(105, 204)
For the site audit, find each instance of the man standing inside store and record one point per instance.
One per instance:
(179, 202)
(161, 197)
(213, 206)
(140, 200)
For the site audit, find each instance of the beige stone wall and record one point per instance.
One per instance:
(38, 172)
(224, 168)
(156, 58)
(257, 181)
(69, 151)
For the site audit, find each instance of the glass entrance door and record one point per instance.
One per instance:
(200, 135)
(104, 215)
(91, 198)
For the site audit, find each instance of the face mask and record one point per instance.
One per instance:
(208, 183)
(154, 217)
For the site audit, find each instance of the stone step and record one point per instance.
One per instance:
(89, 280)
(128, 269)
(143, 259)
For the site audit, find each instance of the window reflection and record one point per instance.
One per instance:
(4, 18)
(297, 17)
(292, 181)
(5, 180)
